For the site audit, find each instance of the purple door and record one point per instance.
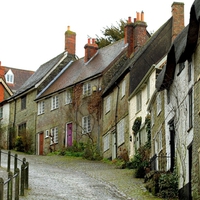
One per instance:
(68, 135)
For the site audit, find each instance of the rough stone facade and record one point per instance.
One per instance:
(118, 111)
(157, 127)
(28, 116)
(196, 140)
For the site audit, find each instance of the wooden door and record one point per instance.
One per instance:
(68, 135)
(41, 143)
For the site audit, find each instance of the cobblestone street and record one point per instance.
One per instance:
(67, 178)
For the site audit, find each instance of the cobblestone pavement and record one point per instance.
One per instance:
(67, 178)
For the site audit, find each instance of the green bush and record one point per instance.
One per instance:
(91, 152)
(140, 161)
(19, 146)
(168, 185)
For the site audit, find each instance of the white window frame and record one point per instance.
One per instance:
(46, 133)
(40, 107)
(86, 124)
(54, 102)
(152, 118)
(106, 142)
(158, 101)
(54, 135)
(68, 99)
(123, 88)
(108, 104)
(139, 101)
(86, 89)
(120, 132)
(190, 109)
(9, 76)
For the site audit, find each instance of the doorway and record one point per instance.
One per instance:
(68, 136)
(41, 143)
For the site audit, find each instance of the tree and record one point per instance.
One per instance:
(111, 34)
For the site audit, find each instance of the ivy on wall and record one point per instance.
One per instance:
(136, 125)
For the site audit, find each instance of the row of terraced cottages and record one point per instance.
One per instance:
(102, 95)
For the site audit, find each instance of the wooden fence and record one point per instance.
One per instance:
(18, 178)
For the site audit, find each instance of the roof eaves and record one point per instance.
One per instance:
(56, 77)
(37, 85)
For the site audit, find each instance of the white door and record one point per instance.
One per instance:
(113, 145)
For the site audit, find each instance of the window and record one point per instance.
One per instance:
(139, 101)
(106, 142)
(189, 70)
(168, 96)
(123, 88)
(40, 107)
(152, 118)
(190, 110)
(68, 97)
(47, 133)
(9, 77)
(108, 101)
(54, 135)
(86, 89)
(158, 142)
(21, 129)
(158, 101)
(86, 125)
(1, 112)
(120, 132)
(54, 102)
(23, 102)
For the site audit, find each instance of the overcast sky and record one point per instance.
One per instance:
(32, 31)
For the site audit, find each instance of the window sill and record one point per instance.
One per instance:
(40, 114)
(54, 109)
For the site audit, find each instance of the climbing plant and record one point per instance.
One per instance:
(136, 125)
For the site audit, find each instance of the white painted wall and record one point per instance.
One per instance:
(178, 109)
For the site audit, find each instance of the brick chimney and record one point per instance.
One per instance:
(140, 33)
(135, 33)
(128, 36)
(90, 49)
(70, 41)
(178, 19)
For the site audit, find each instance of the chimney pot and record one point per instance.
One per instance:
(93, 40)
(129, 19)
(68, 28)
(142, 16)
(88, 40)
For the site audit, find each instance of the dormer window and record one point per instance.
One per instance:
(9, 76)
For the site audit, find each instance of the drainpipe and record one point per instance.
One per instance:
(116, 116)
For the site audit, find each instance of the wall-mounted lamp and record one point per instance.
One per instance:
(94, 88)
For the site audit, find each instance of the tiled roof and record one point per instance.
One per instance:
(79, 71)
(181, 49)
(42, 71)
(20, 77)
(152, 52)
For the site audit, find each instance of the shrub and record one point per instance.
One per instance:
(140, 161)
(91, 152)
(168, 185)
(19, 146)
(162, 184)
